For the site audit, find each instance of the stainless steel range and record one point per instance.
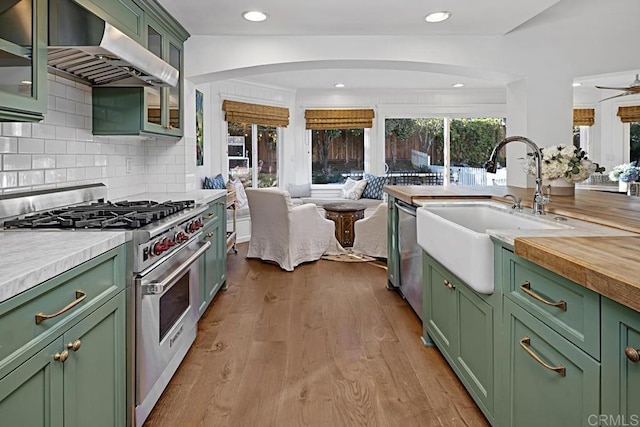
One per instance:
(163, 280)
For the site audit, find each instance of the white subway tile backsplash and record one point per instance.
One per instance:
(94, 172)
(65, 105)
(66, 161)
(16, 129)
(43, 162)
(76, 174)
(55, 146)
(57, 89)
(16, 162)
(100, 160)
(84, 160)
(76, 147)
(83, 109)
(55, 176)
(75, 94)
(56, 118)
(74, 121)
(33, 177)
(8, 179)
(84, 135)
(30, 145)
(63, 132)
(8, 145)
(93, 148)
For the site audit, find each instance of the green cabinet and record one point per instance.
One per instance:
(213, 268)
(23, 60)
(461, 323)
(620, 362)
(549, 381)
(393, 249)
(150, 110)
(68, 369)
(125, 15)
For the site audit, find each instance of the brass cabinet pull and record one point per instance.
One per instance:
(632, 354)
(210, 215)
(80, 296)
(448, 284)
(75, 346)
(209, 235)
(61, 357)
(525, 342)
(526, 288)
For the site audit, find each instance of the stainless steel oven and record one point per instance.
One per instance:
(167, 296)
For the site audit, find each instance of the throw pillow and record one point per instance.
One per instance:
(353, 189)
(299, 190)
(216, 183)
(373, 190)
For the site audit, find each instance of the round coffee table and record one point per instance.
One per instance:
(345, 214)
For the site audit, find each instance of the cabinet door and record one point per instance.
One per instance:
(210, 275)
(620, 367)
(95, 372)
(31, 395)
(536, 395)
(154, 97)
(23, 69)
(475, 357)
(440, 309)
(393, 260)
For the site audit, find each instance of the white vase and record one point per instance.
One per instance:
(559, 187)
(623, 187)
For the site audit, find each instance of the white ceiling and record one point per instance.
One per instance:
(351, 17)
(373, 17)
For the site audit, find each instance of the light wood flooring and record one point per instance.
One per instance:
(325, 345)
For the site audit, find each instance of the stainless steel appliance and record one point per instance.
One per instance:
(163, 278)
(410, 257)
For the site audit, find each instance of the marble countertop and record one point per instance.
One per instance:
(200, 196)
(30, 258)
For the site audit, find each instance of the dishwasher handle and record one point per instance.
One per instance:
(406, 208)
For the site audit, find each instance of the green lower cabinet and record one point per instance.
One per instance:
(213, 266)
(461, 323)
(548, 381)
(77, 380)
(620, 364)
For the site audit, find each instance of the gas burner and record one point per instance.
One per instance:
(102, 215)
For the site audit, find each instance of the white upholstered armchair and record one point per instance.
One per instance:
(288, 235)
(371, 233)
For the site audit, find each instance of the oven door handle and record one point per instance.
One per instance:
(157, 288)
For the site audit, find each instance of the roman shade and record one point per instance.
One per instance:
(583, 116)
(265, 115)
(339, 119)
(629, 114)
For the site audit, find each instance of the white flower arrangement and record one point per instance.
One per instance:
(626, 172)
(562, 161)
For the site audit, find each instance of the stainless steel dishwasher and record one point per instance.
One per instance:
(410, 257)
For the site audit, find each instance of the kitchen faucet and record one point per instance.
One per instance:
(539, 200)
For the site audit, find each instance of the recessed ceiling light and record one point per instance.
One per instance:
(438, 16)
(457, 85)
(338, 85)
(254, 16)
(576, 84)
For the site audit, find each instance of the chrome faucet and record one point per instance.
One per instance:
(516, 202)
(539, 200)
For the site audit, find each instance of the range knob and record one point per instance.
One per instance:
(168, 242)
(181, 237)
(193, 227)
(159, 247)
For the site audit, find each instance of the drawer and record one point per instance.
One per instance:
(73, 294)
(213, 213)
(568, 308)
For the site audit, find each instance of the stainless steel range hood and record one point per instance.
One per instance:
(85, 46)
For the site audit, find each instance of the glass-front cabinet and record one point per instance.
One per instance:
(162, 105)
(23, 56)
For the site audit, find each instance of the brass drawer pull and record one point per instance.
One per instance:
(632, 354)
(209, 235)
(75, 346)
(80, 296)
(525, 342)
(448, 284)
(526, 288)
(210, 215)
(61, 357)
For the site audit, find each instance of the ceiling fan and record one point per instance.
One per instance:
(632, 89)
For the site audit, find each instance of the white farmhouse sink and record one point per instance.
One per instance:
(456, 235)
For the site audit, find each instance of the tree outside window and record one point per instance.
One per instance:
(335, 154)
(634, 142)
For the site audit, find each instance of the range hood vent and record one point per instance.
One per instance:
(87, 47)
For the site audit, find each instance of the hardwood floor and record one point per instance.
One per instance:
(325, 345)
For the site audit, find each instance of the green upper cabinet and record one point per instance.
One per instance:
(125, 15)
(150, 110)
(23, 60)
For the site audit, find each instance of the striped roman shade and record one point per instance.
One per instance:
(583, 116)
(629, 114)
(242, 112)
(339, 119)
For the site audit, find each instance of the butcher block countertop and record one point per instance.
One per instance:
(609, 265)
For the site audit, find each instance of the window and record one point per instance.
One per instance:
(336, 154)
(253, 154)
(417, 146)
(634, 142)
